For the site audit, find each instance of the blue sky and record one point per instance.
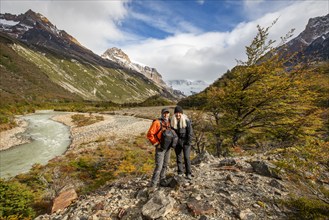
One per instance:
(173, 17)
(182, 39)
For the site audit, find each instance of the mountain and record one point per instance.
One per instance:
(118, 56)
(122, 59)
(313, 42)
(22, 81)
(65, 62)
(188, 87)
(35, 29)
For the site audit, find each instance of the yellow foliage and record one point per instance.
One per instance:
(261, 204)
(126, 167)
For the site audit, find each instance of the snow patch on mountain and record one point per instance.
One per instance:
(8, 22)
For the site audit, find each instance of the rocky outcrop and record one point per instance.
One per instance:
(63, 200)
(312, 43)
(118, 56)
(221, 188)
(158, 206)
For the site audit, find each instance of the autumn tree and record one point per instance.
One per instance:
(202, 138)
(262, 100)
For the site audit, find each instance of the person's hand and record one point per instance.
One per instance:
(156, 145)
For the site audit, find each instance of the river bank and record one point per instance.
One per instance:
(112, 126)
(14, 137)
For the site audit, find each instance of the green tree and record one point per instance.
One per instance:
(263, 99)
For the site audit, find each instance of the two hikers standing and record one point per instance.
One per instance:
(179, 130)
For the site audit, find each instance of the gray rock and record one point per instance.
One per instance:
(200, 207)
(204, 157)
(264, 169)
(142, 194)
(158, 206)
(247, 214)
(227, 162)
(276, 184)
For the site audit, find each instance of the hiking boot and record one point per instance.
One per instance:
(189, 176)
(180, 174)
(163, 183)
(152, 185)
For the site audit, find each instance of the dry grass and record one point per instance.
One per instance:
(81, 120)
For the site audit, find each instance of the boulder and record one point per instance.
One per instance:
(63, 200)
(203, 157)
(158, 206)
(171, 182)
(247, 214)
(200, 207)
(264, 169)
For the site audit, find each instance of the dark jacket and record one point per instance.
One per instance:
(185, 135)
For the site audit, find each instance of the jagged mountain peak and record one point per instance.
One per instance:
(316, 27)
(31, 23)
(312, 43)
(117, 52)
(118, 56)
(35, 16)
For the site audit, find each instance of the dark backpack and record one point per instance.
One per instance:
(169, 137)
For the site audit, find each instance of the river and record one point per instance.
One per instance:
(49, 139)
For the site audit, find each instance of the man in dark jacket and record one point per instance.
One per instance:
(182, 126)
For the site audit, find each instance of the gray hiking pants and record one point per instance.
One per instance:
(185, 150)
(162, 158)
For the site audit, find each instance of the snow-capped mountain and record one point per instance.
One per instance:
(188, 87)
(118, 56)
(35, 29)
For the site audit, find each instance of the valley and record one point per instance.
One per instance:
(260, 146)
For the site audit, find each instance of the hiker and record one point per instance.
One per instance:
(162, 138)
(183, 128)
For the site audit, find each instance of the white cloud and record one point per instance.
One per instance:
(96, 25)
(207, 56)
(92, 23)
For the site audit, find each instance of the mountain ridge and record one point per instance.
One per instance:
(188, 87)
(118, 56)
(312, 43)
(72, 66)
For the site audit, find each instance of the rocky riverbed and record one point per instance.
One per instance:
(115, 126)
(112, 127)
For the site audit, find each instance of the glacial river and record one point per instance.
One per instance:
(49, 139)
